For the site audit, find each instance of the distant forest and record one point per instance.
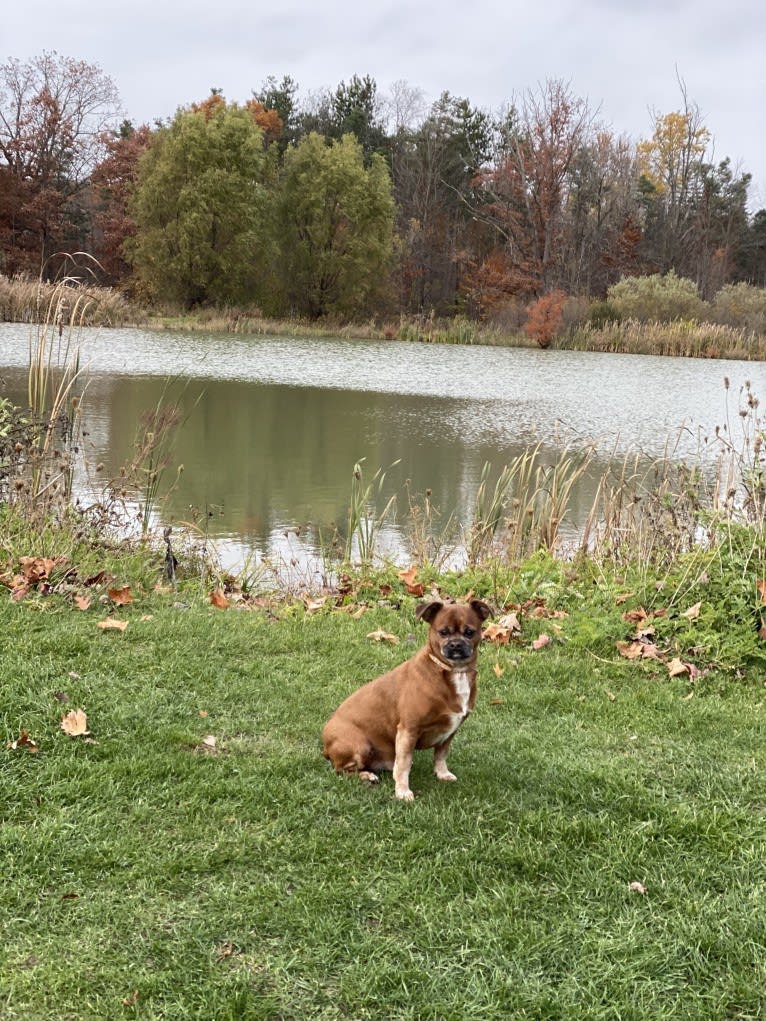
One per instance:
(350, 203)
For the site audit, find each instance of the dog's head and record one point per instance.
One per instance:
(455, 629)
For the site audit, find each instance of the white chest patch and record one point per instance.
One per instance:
(462, 683)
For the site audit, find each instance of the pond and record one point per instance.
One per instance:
(272, 427)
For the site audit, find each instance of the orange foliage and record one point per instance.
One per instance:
(268, 121)
(210, 106)
(544, 317)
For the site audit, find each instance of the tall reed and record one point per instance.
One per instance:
(364, 520)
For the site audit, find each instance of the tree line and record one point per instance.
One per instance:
(350, 203)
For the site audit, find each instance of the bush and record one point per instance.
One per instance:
(601, 313)
(656, 298)
(742, 306)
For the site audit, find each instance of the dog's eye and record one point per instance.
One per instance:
(469, 632)
(443, 631)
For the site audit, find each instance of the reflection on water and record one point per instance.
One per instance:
(272, 427)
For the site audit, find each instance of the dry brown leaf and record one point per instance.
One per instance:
(383, 636)
(676, 667)
(693, 612)
(495, 632)
(637, 616)
(611, 696)
(131, 1000)
(637, 888)
(120, 596)
(418, 589)
(408, 576)
(313, 605)
(541, 642)
(499, 671)
(82, 602)
(497, 701)
(75, 723)
(37, 569)
(761, 586)
(110, 624)
(24, 741)
(217, 598)
(509, 621)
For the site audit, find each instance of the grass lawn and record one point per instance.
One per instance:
(149, 875)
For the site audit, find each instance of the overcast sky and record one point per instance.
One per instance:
(623, 57)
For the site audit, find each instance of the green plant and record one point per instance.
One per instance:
(656, 298)
(364, 520)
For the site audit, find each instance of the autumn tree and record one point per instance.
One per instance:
(54, 113)
(334, 228)
(201, 206)
(112, 185)
(434, 169)
(525, 194)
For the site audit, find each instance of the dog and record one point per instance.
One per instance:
(419, 704)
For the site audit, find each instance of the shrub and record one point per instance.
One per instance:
(544, 317)
(656, 298)
(741, 305)
(601, 313)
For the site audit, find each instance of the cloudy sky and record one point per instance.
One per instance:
(624, 57)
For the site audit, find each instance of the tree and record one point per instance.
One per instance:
(525, 194)
(112, 185)
(434, 168)
(335, 228)
(671, 164)
(54, 112)
(200, 207)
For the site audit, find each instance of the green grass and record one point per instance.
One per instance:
(145, 878)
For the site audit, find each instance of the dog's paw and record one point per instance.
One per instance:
(368, 777)
(405, 794)
(446, 775)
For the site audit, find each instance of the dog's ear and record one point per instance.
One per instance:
(481, 609)
(427, 611)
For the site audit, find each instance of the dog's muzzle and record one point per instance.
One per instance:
(457, 649)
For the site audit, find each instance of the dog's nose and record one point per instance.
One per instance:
(457, 648)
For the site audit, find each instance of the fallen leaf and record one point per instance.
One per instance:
(761, 586)
(637, 888)
(120, 596)
(510, 621)
(497, 701)
(37, 569)
(676, 667)
(383, 636)
(499, 671)
(131, 1000)
(217, 598)
(494, 632)
(693, 612)
(75, 723)
(82, 602)
(24, 741)
(541, 642)
(408, 576)
(209, 741)
(110, 624)
(20, 593)
(312, 605)
(416, 590)
(146, 617)
(358, 612)
(635, 616)
(611, 696)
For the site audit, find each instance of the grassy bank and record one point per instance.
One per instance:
(193, 856)
(84, 305)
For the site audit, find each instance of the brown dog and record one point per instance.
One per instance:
(419, 704)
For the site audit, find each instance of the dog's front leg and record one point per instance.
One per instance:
(440, 761)
(404, 746)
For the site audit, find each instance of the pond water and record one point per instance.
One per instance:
(272, 427)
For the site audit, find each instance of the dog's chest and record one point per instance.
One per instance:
(461, 682)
